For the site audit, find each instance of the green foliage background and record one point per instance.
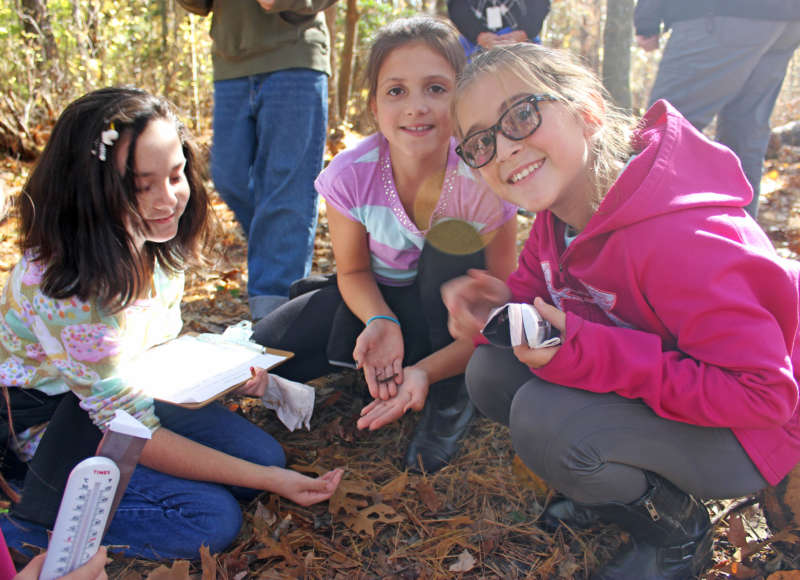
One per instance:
(159, 46)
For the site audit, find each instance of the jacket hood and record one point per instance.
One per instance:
(680, 164)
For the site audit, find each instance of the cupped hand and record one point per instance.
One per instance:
(411, 394)
(647, 43)
(379, 351)
(486, 39)
(469, 300)
(538, 357)
(304, 490)
(511, 37)
(255, 385)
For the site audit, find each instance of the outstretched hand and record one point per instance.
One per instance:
(469, 299)
(538, 357)
(304, 490)
(379, 351)
(411, 394)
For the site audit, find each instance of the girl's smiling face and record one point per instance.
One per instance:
(549, 169)
(161, 185)
(412, 100)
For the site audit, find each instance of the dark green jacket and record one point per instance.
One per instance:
(250, 41)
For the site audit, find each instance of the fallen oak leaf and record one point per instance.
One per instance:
(395, 487)
(428, 495)
(209, 563)
(281, 549)
(785, 575)
(263, 517)
(364, 522)
(464, 563)
(736, 533)
(786, 535)
(343, 500)
(178, 571)
(527, 479)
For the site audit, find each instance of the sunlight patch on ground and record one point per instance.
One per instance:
(770, 183)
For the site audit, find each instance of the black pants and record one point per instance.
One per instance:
(319, 327)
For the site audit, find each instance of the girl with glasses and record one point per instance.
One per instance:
(405, 215)
(676, 377)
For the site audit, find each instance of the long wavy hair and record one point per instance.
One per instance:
(560, 74)
(77, 210)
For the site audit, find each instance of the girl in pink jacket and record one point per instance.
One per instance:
(676, 377)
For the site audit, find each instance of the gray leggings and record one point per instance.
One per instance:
(594, 448)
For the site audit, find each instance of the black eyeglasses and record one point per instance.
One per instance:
(519, 121)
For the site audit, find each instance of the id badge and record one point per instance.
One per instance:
(494, 17)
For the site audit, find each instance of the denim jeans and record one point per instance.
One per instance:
(269, 137)
(165, 517)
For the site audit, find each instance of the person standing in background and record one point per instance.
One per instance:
(724, 58)
(271, 63)
(487, 23)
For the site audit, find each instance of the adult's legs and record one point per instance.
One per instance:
(743, 123)
(291, 111)
(707, 66)
(233, 146)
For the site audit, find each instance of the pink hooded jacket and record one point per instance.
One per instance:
(675, 296)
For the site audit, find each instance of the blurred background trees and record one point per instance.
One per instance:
(56, 50)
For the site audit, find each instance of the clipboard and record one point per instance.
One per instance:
(194, 370)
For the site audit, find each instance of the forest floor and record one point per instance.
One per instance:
(475, 519)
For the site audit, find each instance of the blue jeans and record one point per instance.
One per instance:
(165, 517)
(269, 138)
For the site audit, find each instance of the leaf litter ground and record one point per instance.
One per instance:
(477, 518)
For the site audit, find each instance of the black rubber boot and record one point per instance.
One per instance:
(670, 535)
(566, 511)
(445, 418)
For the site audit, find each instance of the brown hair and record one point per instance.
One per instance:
(439, 34)
(75, 208)
(561, 75)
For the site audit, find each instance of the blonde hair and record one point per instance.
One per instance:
(560, 75)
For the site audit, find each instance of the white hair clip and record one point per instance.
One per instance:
(107, 139)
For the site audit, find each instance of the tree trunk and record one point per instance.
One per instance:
(334, 118)
(617, 39)
(346, 67)
(36, 21)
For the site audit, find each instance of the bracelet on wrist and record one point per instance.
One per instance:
(382, 317)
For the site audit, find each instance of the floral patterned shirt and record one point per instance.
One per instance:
(60, 345)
